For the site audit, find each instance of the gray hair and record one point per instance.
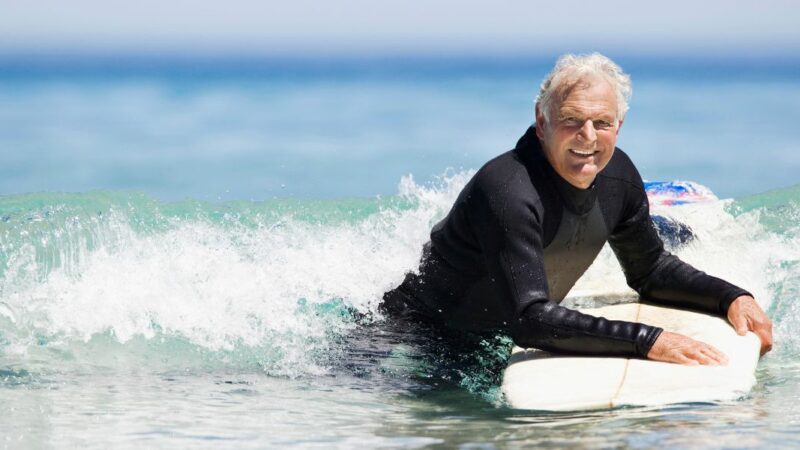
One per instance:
(572, 70)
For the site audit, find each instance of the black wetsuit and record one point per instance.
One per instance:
(518, 238)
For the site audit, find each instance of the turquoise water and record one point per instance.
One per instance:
(189, 290)
(128, 321)
(255, 130)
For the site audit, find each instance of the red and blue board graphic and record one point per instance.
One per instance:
(670, 193)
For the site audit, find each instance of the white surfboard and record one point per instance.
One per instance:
(539, 380)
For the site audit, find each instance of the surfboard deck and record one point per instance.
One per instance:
(538, 380)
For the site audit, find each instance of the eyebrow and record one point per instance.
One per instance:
(569, 113)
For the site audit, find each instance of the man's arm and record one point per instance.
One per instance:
(661, 277)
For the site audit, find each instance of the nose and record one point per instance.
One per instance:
(587, 132)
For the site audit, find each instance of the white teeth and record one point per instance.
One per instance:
(583, 153)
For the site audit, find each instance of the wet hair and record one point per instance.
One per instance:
(578, 71)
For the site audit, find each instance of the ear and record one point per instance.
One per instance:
(619, 125)
(539, 122)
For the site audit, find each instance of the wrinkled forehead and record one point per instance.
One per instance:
(571, 86)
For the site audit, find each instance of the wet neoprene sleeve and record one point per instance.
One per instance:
(657, 275)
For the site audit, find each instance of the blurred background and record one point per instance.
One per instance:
(255, 100)
(196, 196)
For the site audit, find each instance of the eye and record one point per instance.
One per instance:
(602, 124)
(571, 122)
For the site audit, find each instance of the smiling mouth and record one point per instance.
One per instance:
(583, 152)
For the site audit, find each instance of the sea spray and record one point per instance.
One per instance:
(117, 279)
(778, 214)
(242, 283)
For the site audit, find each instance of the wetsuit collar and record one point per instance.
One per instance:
(579, 201)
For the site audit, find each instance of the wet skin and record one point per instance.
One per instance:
(581, 133)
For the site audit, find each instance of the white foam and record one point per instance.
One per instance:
(223, 287)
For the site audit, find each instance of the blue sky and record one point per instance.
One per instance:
(395, 26)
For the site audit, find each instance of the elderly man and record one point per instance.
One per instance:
(532, 220)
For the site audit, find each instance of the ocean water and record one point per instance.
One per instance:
(255, 130)
(193, 257)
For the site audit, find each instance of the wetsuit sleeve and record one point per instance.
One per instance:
(657, 275)
(510, 235)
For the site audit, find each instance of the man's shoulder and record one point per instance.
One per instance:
(620, 161)
(503, 181)
(621, 169)
(500, 171)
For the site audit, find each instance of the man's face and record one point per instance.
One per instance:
(580, 135)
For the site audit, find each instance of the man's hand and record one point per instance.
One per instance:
(745, 315)
(680, 349)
